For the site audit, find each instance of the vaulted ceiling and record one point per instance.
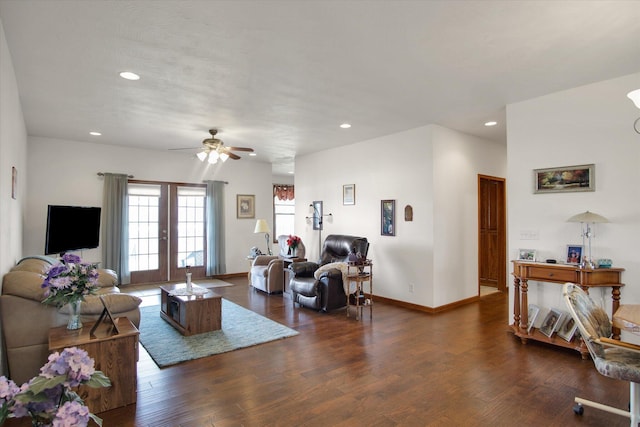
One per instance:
(281, 76)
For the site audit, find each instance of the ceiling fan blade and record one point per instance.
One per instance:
(231, 155)
(239, 148)
(189, 148)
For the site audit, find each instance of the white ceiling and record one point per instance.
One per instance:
(281, 76)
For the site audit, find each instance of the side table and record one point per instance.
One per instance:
(360, 273)
(115, 355)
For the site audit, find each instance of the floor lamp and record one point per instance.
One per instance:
(585, 219)
(263, 227)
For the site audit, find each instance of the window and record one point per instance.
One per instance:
(143, 226)
(283, 217)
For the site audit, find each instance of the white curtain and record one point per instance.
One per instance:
(115, 226)
(215, 228)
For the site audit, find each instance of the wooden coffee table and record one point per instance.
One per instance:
(191, 314)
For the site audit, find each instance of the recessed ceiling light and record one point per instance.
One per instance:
(291, 172)
(129, 75)
(253, 154)
(95, 133)
(345, 126)
(491, 123)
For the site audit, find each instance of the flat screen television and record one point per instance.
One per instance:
(71, 228)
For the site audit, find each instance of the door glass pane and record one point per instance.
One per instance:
(144, 204)
(191, 226)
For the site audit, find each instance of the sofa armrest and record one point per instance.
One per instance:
(117, 303)
(263, 259)
(303, 269)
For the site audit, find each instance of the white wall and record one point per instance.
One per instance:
(13, 153)
(588, 124)
(65, 172)
(431, 168)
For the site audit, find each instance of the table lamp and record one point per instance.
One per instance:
(586, 219)
(263, 227)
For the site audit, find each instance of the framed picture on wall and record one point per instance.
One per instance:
(349, 194)
(388, 217)
(565, 179)
(317, 214)
(246, 205)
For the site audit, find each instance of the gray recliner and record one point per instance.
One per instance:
(267, 273)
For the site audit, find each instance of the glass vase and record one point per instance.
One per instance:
(74, 315)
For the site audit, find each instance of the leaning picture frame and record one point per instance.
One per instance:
(565, 179)
(527, 255)
(574, 254)
(246, 205)
(532, 315)
(568, 328)
(388, 217)
(551, 322)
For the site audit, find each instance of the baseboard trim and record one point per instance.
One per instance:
(425, 309)
(228, 276)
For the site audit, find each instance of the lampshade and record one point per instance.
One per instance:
(202, 155)
(587, 217)
(224, 157)
(261, 226)
(635, 97)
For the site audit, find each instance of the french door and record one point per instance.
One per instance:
(167, 231)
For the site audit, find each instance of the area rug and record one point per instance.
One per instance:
(240, 328)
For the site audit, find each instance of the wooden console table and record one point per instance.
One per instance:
(523, 271)
(115, 355)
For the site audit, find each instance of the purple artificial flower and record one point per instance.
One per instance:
(71, 259)
(71, 414)
(73, 362)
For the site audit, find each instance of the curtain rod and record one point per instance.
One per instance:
(102, 174)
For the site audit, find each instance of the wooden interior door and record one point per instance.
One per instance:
(492, 232)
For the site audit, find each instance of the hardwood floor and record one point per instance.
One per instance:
(404, 368)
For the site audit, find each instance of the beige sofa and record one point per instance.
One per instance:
(26, 321)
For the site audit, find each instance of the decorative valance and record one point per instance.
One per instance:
(284, 191)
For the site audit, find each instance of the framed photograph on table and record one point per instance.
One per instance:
(388, 217)
(532, 315)
(246, 205)
(527, 255)
(349, 194)
(574, 254)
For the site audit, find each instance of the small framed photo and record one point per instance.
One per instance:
(568, 328)
(388, 217)
(532, 315)
(349, 194)
(527, 254)
(246, 205)
(574, 254)
(565, 179)
(552, 320)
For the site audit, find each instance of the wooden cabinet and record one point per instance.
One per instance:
(115, 355)
(191, 313)
(524, 271)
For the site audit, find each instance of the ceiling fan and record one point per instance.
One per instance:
(214, 149)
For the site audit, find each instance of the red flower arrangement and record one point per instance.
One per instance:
(293, 241)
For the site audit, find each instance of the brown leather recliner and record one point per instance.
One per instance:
(325, 293)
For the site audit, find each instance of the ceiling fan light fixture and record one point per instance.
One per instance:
(634, 95)
(224, 157)
(202, 155)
